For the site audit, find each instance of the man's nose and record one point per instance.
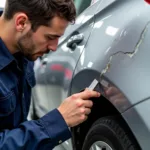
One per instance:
(53, 45)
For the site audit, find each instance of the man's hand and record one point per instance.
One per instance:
(76, 108)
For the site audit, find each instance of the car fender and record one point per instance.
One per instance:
(119, 55)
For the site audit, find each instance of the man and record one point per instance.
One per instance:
(28, 29)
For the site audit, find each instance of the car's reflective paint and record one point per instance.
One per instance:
(118, 50)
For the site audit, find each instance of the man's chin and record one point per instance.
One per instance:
(32, 58)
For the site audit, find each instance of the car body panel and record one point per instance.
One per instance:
(119, 53)
(139, 121)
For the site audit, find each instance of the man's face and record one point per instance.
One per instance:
(35, 44)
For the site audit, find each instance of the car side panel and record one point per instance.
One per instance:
(118, 49)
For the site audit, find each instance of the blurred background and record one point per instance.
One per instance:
(2, 3)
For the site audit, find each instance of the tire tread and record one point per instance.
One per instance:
(115, 127)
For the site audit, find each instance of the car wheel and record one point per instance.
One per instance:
(107, 134)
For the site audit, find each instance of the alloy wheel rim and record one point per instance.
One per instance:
(100, 145)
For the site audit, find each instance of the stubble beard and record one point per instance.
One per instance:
(26, 46)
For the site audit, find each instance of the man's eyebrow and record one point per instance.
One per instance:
(54, 35)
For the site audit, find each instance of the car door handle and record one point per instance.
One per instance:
(75, 40)
(44, 61)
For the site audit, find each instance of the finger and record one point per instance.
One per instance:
(86, 94)
(88, 103)
(84, 118)
(87, 111)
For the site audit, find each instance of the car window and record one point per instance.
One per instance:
(81, 5)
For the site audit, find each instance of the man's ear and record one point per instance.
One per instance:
(21, 21)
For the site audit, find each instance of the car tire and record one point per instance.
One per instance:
(107, 134)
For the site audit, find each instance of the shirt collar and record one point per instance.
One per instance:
(5, 56)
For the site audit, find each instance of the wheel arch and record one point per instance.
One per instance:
(101, 108)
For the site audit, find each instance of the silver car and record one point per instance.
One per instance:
(110, 43)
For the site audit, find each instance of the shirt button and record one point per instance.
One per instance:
(60, 141)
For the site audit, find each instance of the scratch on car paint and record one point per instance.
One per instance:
(107, 66)
(130, 54)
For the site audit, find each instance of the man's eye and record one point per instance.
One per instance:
(50, 38)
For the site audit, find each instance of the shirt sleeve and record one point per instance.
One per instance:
(42, 134)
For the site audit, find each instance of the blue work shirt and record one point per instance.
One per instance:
(16, 133)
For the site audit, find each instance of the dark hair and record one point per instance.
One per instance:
(40, 12)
